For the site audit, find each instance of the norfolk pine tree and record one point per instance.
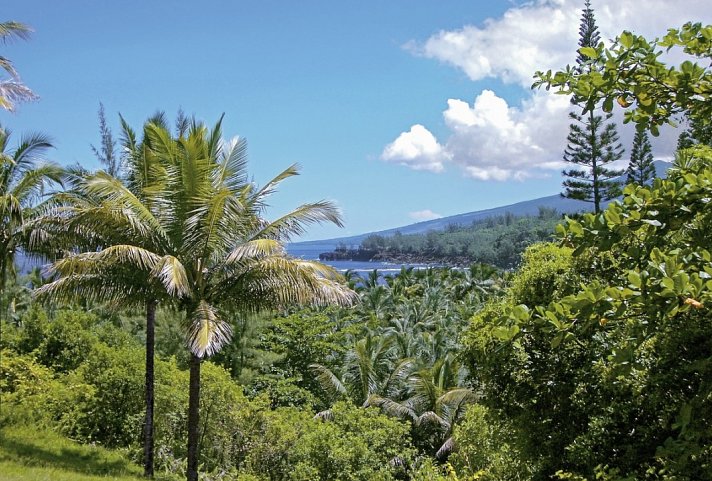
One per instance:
(641, 170)
(592, 143)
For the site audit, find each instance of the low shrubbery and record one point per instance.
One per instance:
(85, 379)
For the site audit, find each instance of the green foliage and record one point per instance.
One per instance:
(604, 373)
(544, 274)
(12, 90)
(356, 444)
(100, 401)
(497, 241)
(32, 394)
(23, 180)
(643, 410)
(592, 142)
(632, 75)
(484, 448)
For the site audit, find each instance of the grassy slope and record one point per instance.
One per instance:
(27, 454)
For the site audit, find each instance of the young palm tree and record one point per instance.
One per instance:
(371, 370)
(24, 176)
(213, 252)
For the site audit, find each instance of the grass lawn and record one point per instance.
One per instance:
(27, 454)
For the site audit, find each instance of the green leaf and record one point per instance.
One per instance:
(608, 104)
(626, 39)
(589, 52)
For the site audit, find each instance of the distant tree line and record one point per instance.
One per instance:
(498, 240)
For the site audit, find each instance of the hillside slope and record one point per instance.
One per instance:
(527, 207)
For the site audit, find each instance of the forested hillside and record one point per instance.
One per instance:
(497, 241)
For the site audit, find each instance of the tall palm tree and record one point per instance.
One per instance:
(24, 176)
(12, 90)
(213, 251)
(86, 217)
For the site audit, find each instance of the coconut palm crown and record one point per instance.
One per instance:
(202, 236)
(24, 178)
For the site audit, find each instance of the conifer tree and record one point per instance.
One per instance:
(699, 131)
(592, 142)
(106, 154)
(641, 170)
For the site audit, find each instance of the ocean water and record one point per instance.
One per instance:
(312, 251)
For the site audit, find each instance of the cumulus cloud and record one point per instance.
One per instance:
(417, 149)
(493, 139)
(422, 215)
(543, 35)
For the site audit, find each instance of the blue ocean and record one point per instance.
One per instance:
(312, 251)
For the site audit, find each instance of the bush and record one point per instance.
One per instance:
(357, 444)
(486, 449)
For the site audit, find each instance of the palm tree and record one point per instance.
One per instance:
(24, 176)
(12, 90)
(101, 210)
(218, 254)
(371, 369)
(437, 399)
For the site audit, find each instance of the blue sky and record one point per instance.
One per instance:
(398, 111)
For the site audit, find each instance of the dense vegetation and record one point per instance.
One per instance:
(498, 241)
(590, 361)
(393, 395)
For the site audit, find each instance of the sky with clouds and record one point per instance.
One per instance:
(398, 111)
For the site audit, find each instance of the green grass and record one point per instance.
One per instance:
(27, 454)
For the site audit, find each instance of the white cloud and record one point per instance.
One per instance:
(417, 149)
(510, 48)
(543, 35)
(492, 139)
(422, 215)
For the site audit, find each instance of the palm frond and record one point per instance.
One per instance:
(32, 184)
(447, 447)
(11, 209)
(98, 287)
(430, 417)
(13, 92)
(295, 222)
(207, 332)
(328, 381)
(171, 272)
(271, 186)
(12, 29)
(391, 407)
(255, 248)
(124, 203)
(95, 262)
(276, 281)
(232, 165)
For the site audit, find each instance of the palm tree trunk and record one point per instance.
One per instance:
(193, 418)
(148, 425)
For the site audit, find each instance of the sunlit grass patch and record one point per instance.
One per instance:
(28, 454)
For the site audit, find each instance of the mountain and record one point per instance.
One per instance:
(311, 249)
